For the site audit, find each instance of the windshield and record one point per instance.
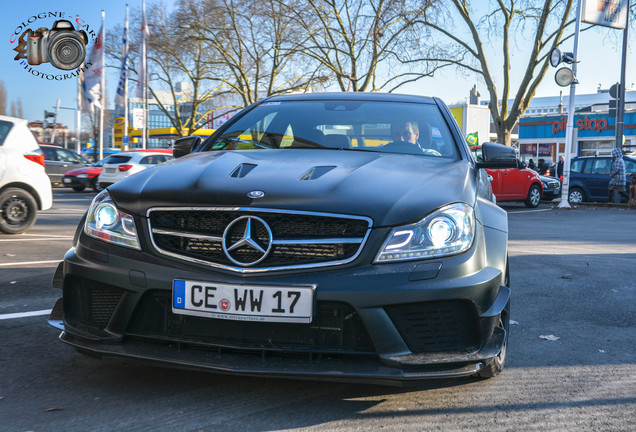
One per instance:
(391, 127)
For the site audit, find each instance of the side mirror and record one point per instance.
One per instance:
(497, 156)
(184, 146)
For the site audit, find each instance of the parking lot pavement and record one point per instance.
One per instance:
(571, 364)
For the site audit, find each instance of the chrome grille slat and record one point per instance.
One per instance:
(300, 239)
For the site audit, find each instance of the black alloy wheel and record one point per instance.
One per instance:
(18, 211)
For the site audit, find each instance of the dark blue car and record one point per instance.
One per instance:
(590, 176)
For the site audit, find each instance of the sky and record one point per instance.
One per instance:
(599, 60)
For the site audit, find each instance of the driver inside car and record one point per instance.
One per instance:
(406, 138)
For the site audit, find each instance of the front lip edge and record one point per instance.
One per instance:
(371, 371)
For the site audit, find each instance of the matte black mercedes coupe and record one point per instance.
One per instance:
(325, 236)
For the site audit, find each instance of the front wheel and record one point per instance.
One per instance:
(97, 187)
(78, 188)
(534, 196)
(18, 211)
(576, 196)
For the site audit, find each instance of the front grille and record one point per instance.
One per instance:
(336, 328)
(436, 327)
(284, 239)
(89, 303)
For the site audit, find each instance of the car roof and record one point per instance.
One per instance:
(352, 96)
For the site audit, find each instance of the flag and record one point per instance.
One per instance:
(120, 96)
(472, 139)
(91, 81)
(141, 70)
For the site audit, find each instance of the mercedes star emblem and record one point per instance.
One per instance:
(247, 240)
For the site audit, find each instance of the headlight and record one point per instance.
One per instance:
(447, 231)
(82, 176)
(107, 223)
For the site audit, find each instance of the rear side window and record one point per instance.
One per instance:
(577, 165)
(5, 127)
(630, 167)
(601, 166)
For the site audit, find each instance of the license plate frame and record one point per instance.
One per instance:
(265, 303)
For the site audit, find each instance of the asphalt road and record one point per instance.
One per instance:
(573, 276)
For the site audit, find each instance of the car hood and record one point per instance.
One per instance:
(389, 188)
(85, 170)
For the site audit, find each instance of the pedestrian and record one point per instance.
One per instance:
(617, 177)
(559, 169)
(542, 167)
(531, 165)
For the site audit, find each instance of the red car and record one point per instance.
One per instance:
(514, 184)
(85, 177)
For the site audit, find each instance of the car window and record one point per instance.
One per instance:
(5, 127)
(577, 165)
(153, 159)
(630, 166)
(64, 155)
(601, 166)
(49, 153)
(117, 159)
(347, 125)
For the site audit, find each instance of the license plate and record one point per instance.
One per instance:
(243, 302)
(109, 170)
(66, 180)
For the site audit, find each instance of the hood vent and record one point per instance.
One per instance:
(242, 170)
(316, 172)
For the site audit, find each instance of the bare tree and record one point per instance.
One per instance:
(353, 38)
(3, 99)
(254, 47)
(19, 108)
(540, 23)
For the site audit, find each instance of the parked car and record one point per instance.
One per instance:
(551, 188)
(85, 177)
(59, 160)
(514, 184)
(307, 237)
(24, 186)
(589, 177)
(124, 164)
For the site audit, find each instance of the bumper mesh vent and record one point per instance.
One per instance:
(434, 327)
(90, 303)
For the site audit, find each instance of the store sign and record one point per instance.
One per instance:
(582, 124)
(608, 13)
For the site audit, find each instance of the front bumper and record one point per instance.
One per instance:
(73, 181)
(458, 299)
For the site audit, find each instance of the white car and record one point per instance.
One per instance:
(24, 186)
(125, 164)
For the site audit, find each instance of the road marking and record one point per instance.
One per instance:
(38, 239)
(30, 263)
(47, 235)
(25, 314)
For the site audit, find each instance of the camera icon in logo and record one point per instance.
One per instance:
(63, 46)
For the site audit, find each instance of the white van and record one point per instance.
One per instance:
(24, 186)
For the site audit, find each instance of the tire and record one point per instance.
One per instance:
(18, 211)
(97, 187)
(576, 195)
(496, 365)
(78, 188)
(534, 196)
